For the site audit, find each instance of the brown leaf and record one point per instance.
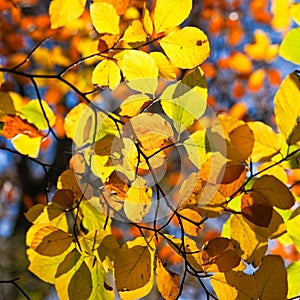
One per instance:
(63, 197)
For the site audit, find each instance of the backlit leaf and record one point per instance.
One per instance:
(68, 180)
(286, 109)
(35, 114)
(167, 282)
(6, 104)
(138, 200)
(135, 33)
(293, 226)
(140, 71)
(295, 12)
(106, 74)
(168, 14)
(254, 248)
(220, 255)
(133, 105)
(80, 286)
(186, 48)
(289, 47)
(189, 227)
(165, 67)
(273, 190)
(68, 263)
(281, 17)
(274, 170)
(108, 247)
(104, 17)
(27, 145)
(63, 13)
(271, 273)
(293, 272)
(147, 22)
(51, 241)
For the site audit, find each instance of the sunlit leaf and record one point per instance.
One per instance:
(220, 255)
(187, 47)
(165, 67)
(133, 105)
(254, 248)
(168, 14)
(268, 168)
(295, 12)
(135, 33)
(286, 109)
(191, 228)
(293, 272)
(240, 63)
(167, 282)
(140, 71)
(104, 17)
(271, 273)
(37, 115)
(51, 241)
(106, 74)
(147, 22)
(293, 226)
(120, 6)
(6, 104)
(281, 17)
(274, 191)
(68, 180)
(26, 145)
(63, 13)
(290, 45)
(138, 200)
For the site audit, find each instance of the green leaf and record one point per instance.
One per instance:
(80, 286)
(293, 272)
(37, 116)
(289, 48)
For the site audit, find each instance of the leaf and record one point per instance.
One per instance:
(274, 170)
(168, 14)
(286, 109)
(135, 33)
(186, 48)
(63, 13)
(295, 12)
(27, 145)
(68, 263)
(274, 191)
(138, 200)
(293, 273)
(289, 47)
(150, 130)
(220, 255)
(188, 227)
(80, 286)
(63, 197)
(256, 209)
(281, 17)
(68, 180)
(105, 18)
(165, 67)
(6, 104)
(147, 21)
(35, 114)
(51, 241)
(271, 273)
(108, 247)
(133, 105)
(34, 211)
(133, 272)
(254, 247)
(106, 74)
(140, 71)
(266, 142)
(293, 227)
(167, 282)
(234, 285)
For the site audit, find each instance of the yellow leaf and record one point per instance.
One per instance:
(134, 275)
(138, 200)
(277, 171)
(51, 241)
(135, 33)
(274, 191)
(105, 18)
(64, 12)
(295, 12)
(187, 47)
(272, 273)
(240, 63)
(167, 282)
(133, 105)
(254, 248)
(27, 145)
(234, 285)
(220, 255)
(140, 71)
(147, 22)
(165, 67)
(281, 16)
(68, 180)
(6, 104)
(266, 142)
(286, 108)
(188, 215)
(2, 79)
(168, 14)
(106, 74)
